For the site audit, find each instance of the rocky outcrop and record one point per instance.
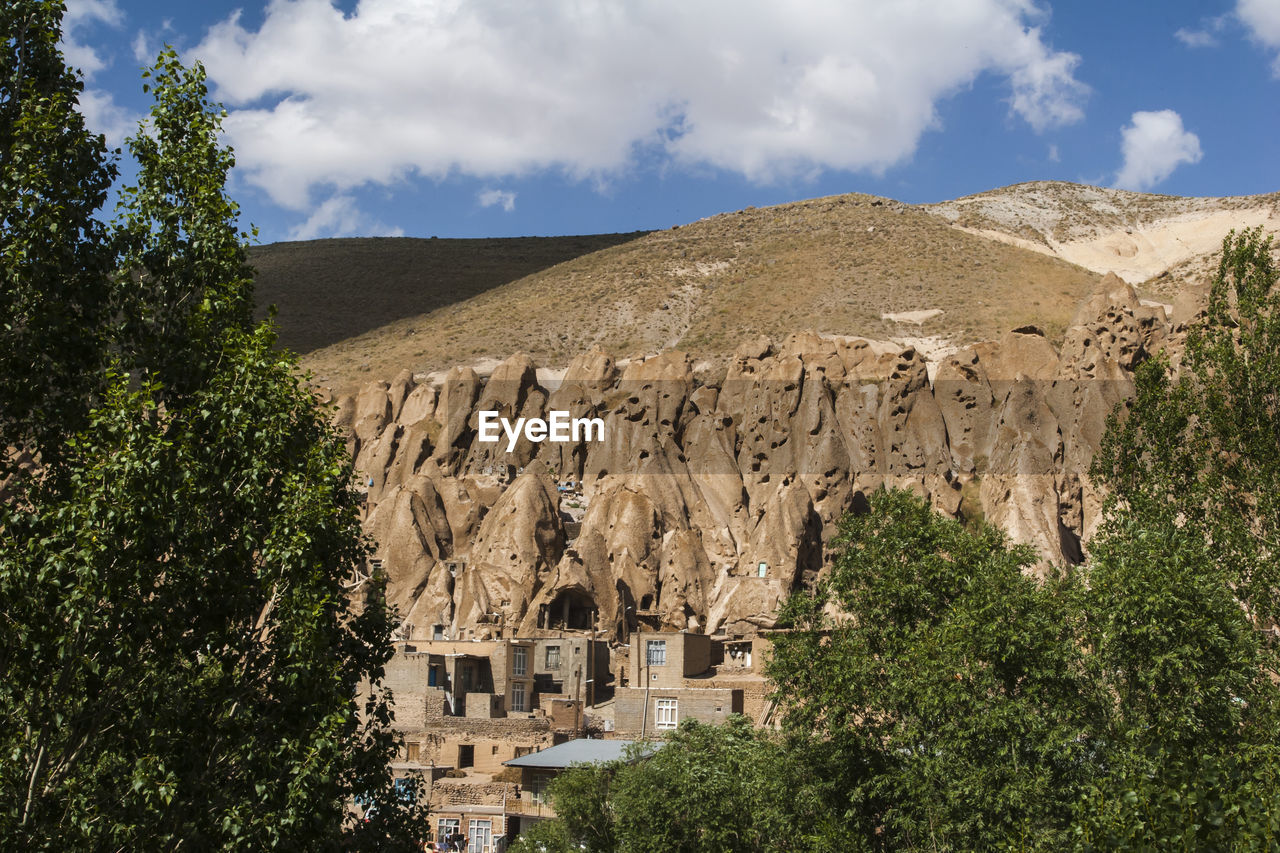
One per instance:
(707, 500)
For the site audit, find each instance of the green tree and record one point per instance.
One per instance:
(947, 704)
(545, 836)
(1201, 450)
(1180, 597)
(57, 294)
(179, 663)
(581, 798)
(727, 789)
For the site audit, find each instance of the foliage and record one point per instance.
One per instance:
(179, 664)
(1190, 760)
(1202, 450)
(581, 798)
(707, 788)
(950, 690)
(56, 291)
(545, 836)
(1182, 584)
(715, 788)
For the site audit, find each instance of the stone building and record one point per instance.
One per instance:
(678, 675)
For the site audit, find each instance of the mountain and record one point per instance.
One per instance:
(705, 500)
(939, 276)
(837, 265)
(757, 375)
(1158, 242)
(330, 290)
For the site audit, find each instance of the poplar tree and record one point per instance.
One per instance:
(180, 665)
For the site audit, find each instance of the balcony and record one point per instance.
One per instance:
(529, 805)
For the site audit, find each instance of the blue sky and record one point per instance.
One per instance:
(493, 118)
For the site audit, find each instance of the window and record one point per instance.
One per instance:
(437, 632)
(541, 781)
(553, 657)
(481, 836)
(520, 661)
(411, 752)
(656, 653)
(665, 714)
(467, 755)
(519, 700)
(446, 827)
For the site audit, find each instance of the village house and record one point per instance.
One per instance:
(465, 707)
(672, 676)
(537, 769)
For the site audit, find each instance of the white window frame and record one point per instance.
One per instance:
(446, 826)
(552, 662)
(519, 697)
(666, 713)
(519, 661)
(478, 842)
(655, 652)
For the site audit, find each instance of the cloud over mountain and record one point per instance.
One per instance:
(1154, 143)
(486, 89)
(1262, 19)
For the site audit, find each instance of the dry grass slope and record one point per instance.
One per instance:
(330, 290)
(834, 265)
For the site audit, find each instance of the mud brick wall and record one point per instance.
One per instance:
(710, 705)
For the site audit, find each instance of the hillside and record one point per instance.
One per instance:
(836, 265)
(330, 290)
(1157, 241)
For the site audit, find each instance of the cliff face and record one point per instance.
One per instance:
(710, 497)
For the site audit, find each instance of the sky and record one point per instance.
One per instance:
(502, 118)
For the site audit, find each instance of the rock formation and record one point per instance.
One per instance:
(709, 499)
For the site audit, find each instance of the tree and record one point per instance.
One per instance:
(179, 666)
(725, 788)
(1201, 451)
(1181, 597)
(710, 788)
(947, 701)
(57, 294)
(1188, 751)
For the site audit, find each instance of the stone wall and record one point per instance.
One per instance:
(710, 705)
(686, 654)
(454, 792)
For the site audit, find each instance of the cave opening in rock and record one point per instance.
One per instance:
(571, 610)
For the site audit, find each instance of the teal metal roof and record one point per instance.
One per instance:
(581, 751)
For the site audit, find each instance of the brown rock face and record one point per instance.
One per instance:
(707, 500)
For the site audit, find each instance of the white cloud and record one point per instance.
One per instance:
(79, 14)
(768, 89)
(488, 198)
(339, 216)
(1054, 155)
(142, 49)
(1206, 35)
(1196, 38)
(103, 115)
(1153, 145)
(1262, 18)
